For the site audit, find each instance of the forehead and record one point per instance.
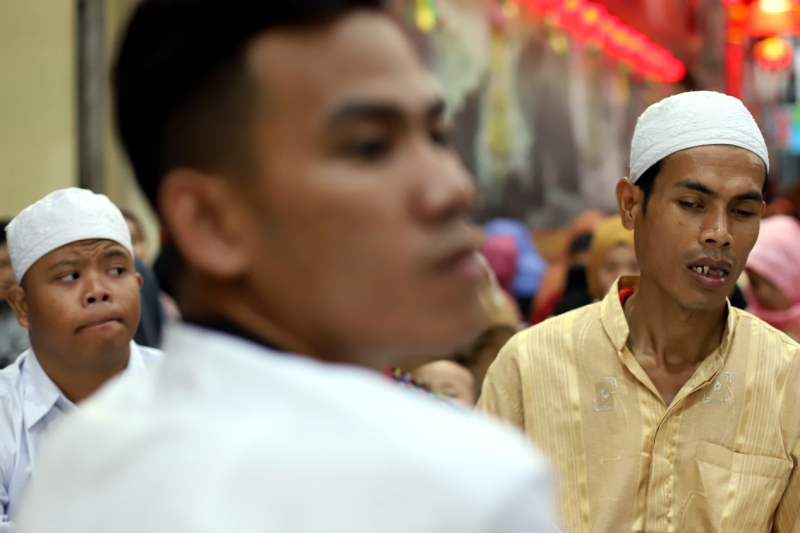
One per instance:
(83, 249)
(619, 250)
(723, 164)
(362, 55)
(446, 371)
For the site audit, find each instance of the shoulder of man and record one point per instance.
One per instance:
(775, 342)
(12, 416)
(542, 339)
(418, 455)
(149, 355)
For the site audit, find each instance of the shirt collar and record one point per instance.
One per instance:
(614, 322)
(223, 325)
(41, 395)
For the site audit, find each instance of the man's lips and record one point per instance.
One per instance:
(463, 263)
(710, 267)
(710, 273)
(99, 323)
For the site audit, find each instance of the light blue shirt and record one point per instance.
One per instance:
(30, 405)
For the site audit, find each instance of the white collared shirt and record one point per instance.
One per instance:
(228, 436)
(30, 405)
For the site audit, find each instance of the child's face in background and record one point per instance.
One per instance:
(450, 380)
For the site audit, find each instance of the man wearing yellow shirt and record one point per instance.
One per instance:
(663, 408)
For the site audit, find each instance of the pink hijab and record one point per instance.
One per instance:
(501, 252)
(776, 257)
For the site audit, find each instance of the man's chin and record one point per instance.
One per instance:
(99, 342)
(711, 302)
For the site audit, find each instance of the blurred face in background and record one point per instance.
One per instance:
(768, 295)
(449, 379)
(620, 261)
(611, 255)
(357, 230)
(6, 272)
(137, 238)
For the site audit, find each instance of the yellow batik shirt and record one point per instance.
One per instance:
(722, 456)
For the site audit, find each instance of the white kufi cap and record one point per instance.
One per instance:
(691, 119)
(60, 218)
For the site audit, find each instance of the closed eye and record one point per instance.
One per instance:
(372, 150)
(689, 205)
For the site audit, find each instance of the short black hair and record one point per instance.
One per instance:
(3, 225)
(182, 93)
(647, 182)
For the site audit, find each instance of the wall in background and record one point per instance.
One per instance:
(39, 117)
(38, 141)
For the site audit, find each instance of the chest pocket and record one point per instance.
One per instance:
(742, 490)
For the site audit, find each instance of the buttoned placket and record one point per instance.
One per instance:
(705, 374)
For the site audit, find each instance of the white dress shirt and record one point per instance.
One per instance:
(228, 436)
(30, 405)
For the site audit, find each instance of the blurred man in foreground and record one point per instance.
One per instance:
(296, 152)
(77, 293)
(662, 407)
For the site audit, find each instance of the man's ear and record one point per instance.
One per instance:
(629, 202)
(208, 222)
(18, 300)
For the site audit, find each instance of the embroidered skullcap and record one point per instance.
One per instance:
(63, 217)
(691, 119)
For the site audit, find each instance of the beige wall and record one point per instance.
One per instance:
(38, 141)
(39, 112)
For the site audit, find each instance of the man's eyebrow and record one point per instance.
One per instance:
(63, 263)
(696, 186)
(754, 196)
(115, 252)
(387, 113)
(365, 111)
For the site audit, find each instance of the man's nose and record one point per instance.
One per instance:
(96, 292)
(716, 229)
(448, 191)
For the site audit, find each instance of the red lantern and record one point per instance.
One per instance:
(569, 12)
(773, 53)
(590, 17)
(608, 23)
(767, 18)
(675, 71)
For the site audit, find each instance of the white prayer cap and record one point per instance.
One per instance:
(691, 119)
(60, 218)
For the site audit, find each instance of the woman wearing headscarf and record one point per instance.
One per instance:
(611, 255)
(530, 265)
(773, 269)
(554, 281)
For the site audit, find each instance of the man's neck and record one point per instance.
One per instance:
(236, 308)
(77, 384)
(675, 336)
